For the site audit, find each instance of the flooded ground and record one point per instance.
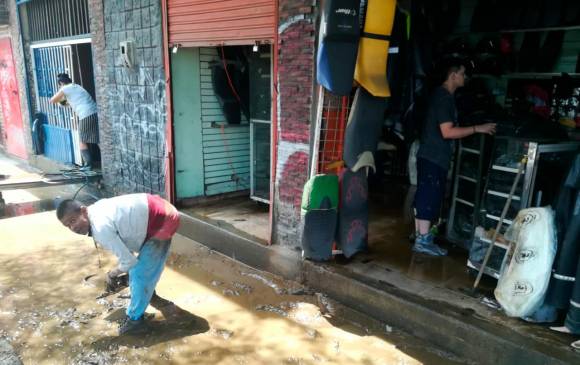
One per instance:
(224, 313)
(445, 281)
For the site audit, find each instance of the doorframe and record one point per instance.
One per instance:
(169, 132)
(62, 42)
(58, 43)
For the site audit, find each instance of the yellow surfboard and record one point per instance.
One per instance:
(373, 49)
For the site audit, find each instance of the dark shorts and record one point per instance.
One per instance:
(89, 129)
(431, 181)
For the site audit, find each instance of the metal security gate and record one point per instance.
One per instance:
(56, 19)
(61, 131)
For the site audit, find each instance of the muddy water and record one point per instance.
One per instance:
(224, 313)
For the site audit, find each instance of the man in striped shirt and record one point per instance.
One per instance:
(141, 224)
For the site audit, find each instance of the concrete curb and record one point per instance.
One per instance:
(450, 328)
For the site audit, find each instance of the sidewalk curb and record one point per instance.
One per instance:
(450, 328)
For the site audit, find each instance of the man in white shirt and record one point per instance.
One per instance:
(85, 108)
(126, 225)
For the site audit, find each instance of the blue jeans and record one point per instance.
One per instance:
(431, 183)
(143, 277)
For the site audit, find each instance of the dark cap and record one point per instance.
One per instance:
(64, 78)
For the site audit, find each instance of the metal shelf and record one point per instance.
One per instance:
(488, 271)
(464, 202)
(467, 178)
(470, 150)
(503, 195)
(467, 32)
(501, 169)
(524, 75)
(504, 168)
(488, 241)
(496, 218)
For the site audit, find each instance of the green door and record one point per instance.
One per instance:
(186, 93)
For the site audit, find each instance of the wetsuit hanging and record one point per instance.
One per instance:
(371, 63)
(337, 50)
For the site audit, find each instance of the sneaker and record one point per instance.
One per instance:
(131, 326)
(424, 244)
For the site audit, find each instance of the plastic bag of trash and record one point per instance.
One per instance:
(524, 278)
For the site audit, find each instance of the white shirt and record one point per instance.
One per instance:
(119, 224)
(80, 100)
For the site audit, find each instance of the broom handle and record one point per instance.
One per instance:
(500, 222)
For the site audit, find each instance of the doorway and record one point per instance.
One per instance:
(61, 129)
(222, 125)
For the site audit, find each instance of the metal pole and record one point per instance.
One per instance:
(317, 126)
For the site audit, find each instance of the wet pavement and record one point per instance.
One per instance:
(21, 202)
(239, 213)
(224, 312)
(390, 225)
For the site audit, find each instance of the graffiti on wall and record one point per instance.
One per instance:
(292, 165)
(138, 115)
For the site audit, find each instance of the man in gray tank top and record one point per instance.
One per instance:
(85, 108)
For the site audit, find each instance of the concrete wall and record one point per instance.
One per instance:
(296, 32)
(132, 101)
(11, 29)
(4, 32)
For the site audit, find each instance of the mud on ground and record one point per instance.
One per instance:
(224, 312)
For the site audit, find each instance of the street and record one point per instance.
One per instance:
(224, 313)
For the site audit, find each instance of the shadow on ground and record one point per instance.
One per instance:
(176, 323)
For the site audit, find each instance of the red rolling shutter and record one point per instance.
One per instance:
(195, 23)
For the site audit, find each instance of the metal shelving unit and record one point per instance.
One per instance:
(526, 195)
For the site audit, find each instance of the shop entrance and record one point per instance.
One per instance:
(391, 191)
(61, 124)
(222, 118)
(523, 77)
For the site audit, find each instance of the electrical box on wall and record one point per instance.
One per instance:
(127, 49)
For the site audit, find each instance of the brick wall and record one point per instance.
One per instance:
(296, 43)
(132, 101)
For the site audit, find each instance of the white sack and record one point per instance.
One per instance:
(524, 279)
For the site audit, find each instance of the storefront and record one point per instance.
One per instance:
(221, 57)
(523, 75)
